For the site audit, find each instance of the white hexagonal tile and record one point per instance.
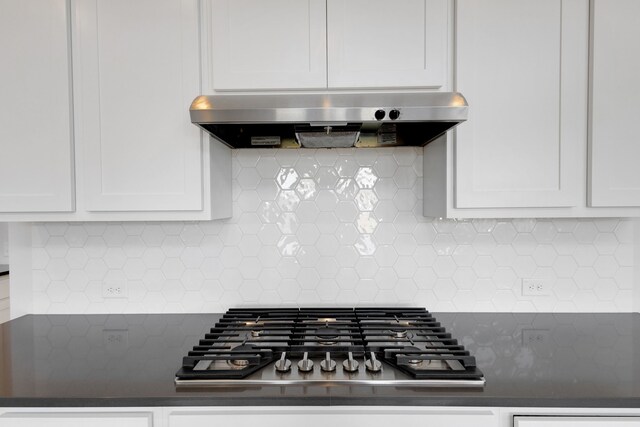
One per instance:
(327, 245)
(484, 266)
(405, 177)
(114, 236)
(269, 234)
(192, 257)
(134, 269)
(267, 167)
(366, 267)
(405, 200)
(347, 256)
(307, 166)
(115, 258)
(250, 245)
(365, 245)
(444, 266)
(267, 190)
(307, 212)
(308, 256)
(306, 189)
(76, 258)
(544, 255)
(606, 243)
(287, 178)
(250, 267)
(326, 178)
(405, 156)
(346, 166)
(288, 245)
(544, 231)
(585, 232)
(504, 233)
(405, 244)
(153, 235)
(76, 236)
(172, 268)
(405, 267)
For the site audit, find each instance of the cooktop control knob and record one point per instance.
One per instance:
(327, 364)
(284, 364)
(350, 365)
(306, 364)
(394, 114)
(373, 364)
(379, 114)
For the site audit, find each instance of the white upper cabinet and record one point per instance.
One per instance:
(383, 43)
(36, 147)
(275, 44)
(615, 93)
(320, 44)
(136, 71)
(522, 65)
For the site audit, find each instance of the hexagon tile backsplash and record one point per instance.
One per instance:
(319, 227)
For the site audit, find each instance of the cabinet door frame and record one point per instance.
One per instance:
(217, 76)
(30, 104)
(572, 128)
(434, 73)
(612, 107)
(92, 197)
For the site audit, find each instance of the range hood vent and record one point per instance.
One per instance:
(329, 120)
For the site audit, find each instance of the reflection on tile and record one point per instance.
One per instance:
(333, 226)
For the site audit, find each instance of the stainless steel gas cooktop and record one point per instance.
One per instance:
(307, 346)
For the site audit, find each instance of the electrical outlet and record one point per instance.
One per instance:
(534, 337)
(114, 289)
(535, 287)
(116, 341)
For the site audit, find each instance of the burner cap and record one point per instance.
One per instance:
(244, 348)
(398, 333)
(414, 361)
(327, 335)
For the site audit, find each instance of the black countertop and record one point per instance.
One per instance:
(4, 269)
(546, 360)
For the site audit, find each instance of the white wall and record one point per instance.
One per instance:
(4, 243)
(332, 227)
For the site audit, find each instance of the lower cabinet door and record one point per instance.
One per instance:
(25, 419)
(531, 421)
(352, 417)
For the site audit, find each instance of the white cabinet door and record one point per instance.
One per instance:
(522, 65)
(615, 91)
(36, 148)
(276, 44)
(387, 43)
(25, 419)
(352, 417)
(525, 421)
(136, 71)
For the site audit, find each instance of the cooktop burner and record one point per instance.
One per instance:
(366, 346)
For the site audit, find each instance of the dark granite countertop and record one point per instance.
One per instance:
(546, 360)
(4, 269)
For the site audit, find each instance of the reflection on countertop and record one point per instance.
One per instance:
(540, 359)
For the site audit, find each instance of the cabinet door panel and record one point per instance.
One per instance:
(36, 160)
(276, 44)
(385, 43)
(25, 419)
(522, 65)
(614, 137)
(576, 421)
(136, 76)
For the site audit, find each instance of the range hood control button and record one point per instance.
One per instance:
(394, 114)
(380, 114)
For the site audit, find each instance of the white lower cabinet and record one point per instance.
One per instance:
(336, 416)
(73, 419)
(576, 421)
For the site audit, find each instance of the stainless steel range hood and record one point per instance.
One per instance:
(329, 120)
